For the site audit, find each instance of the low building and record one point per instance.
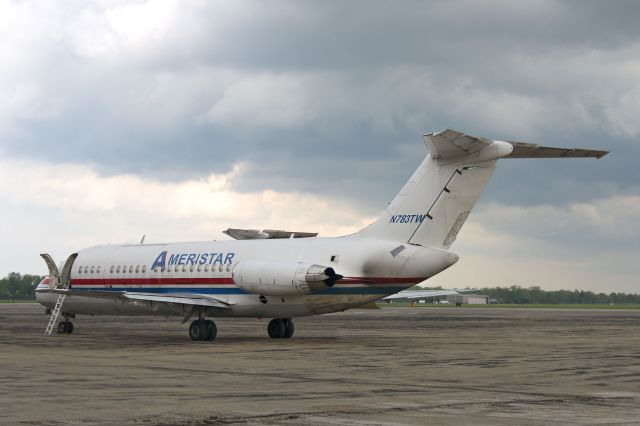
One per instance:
(468, 299)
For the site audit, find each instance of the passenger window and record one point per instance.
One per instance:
(144, 269)
(97, 269)
(206, 268)
(86, 269)
(137, 269)
(80, 270)
(184, 269)
(191, 268)
(228, 267)
(220, 268)
(131, 269)
(199, 268)
(118, 269)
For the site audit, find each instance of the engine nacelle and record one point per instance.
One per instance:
(279, 278)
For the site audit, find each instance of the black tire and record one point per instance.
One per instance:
(276, 328)
(69, 327)
(62, 327)
(197, 330)
(289, 328)
(212, 330)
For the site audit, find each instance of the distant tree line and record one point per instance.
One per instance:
(16, 286)
(521, 295)
(517, 294)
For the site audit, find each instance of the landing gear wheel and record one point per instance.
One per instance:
(212, 330)
(288, 325)
(65, 327)
(202, 330)
(277, 328)
(197, 330)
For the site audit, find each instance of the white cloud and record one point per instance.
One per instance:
(266, 100)
(623, 113)
(107, 29)
(604, 273)
(78, 208)
(613, 219)
(590, 245)
(174, 88)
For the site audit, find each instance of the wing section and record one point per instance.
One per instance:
(177, 298)
(419, 294)
(265, 234)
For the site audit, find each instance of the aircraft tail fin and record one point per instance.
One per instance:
(436, 201)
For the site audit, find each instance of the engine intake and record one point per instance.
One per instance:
(278, 278)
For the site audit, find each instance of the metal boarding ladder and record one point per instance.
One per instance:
(58, 281)
(55, 314)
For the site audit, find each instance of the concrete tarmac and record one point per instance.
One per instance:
(448, 366)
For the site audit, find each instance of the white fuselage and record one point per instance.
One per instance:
(372, 269)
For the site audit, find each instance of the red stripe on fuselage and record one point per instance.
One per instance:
(225, 281)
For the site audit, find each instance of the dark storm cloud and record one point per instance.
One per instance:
(333, 98)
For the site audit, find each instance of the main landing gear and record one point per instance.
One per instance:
(202, 329)
(279, 328)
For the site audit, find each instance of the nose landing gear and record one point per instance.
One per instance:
(66, 326)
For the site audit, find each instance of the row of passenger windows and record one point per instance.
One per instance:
(137, 269)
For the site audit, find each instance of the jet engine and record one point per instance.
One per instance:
(273, 278)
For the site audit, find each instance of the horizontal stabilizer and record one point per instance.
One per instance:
(450, 144)
(265, 234)
(529, 150)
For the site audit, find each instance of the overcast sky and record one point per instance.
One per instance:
(178, 119)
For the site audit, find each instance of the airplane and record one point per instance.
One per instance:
(281, 275)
